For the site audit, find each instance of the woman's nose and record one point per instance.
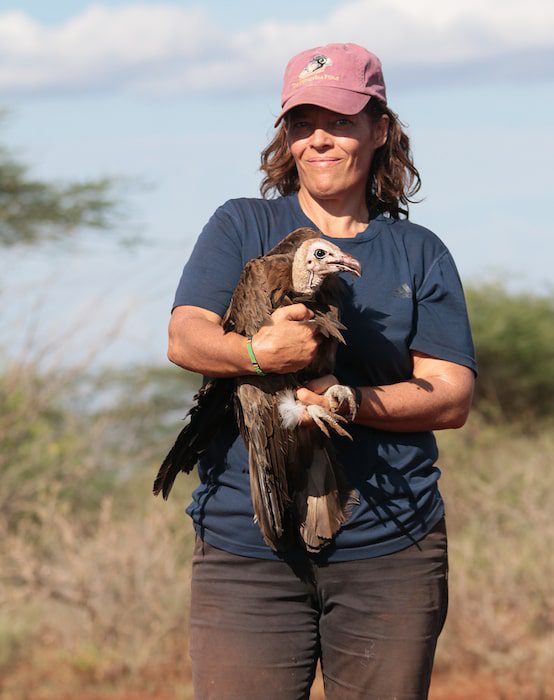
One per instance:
(320, 138)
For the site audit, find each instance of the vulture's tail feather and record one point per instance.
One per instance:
(328, 501)
(213, 401)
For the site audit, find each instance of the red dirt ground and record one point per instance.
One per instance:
(444, 687)
(170, 683)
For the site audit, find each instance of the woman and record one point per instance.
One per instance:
(372, 604)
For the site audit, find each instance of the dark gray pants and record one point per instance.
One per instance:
(258, 627)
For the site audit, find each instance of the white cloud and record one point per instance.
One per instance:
(170, 49)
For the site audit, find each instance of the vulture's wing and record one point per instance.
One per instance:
(212, 403)
(264, 283)
(290, 243)
(250, 305)
(268, 444)
(249, 308)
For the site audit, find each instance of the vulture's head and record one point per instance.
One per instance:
(317, 258)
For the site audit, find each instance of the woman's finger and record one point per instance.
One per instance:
(310, 397)
(321, 384)
(294, 312)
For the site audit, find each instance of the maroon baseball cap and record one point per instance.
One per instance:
(340, 77)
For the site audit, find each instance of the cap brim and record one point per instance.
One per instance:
(333, 98)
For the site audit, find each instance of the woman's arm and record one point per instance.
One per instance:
(198, 343)
(437, 396)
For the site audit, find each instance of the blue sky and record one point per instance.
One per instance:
(182, 96)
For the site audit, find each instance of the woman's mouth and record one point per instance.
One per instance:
(323, 162)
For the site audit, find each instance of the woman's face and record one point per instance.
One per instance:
(333, 152)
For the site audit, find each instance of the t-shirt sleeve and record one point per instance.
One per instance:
(441, 322)
(213, 269)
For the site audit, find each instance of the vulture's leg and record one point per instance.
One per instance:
(342, 397)
(292, 412)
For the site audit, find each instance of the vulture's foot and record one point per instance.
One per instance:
(323, 418)
(342, 400)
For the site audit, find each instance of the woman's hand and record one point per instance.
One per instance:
(288, 342)
(311, 394)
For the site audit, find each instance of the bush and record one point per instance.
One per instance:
(75, 437)
(514, 339)
(93, 568)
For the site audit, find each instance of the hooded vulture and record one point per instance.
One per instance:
(298, 491)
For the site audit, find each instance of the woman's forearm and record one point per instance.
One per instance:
(438, 396)
(197, 342)
(200, 345)
(415, 405)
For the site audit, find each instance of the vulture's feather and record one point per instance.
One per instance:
(298, 491)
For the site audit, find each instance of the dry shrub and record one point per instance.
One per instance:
(94, 588)
(93, 570)
(498, 485)
(94, 606)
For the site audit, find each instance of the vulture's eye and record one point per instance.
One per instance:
(320, 253)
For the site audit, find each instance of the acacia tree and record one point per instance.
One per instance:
(48, 422)
(33, 210)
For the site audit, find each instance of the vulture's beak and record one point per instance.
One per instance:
(347, 263)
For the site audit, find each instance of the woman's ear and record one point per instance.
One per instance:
(382, 130)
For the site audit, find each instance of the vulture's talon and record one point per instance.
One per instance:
(321, 425)
(325, 419)
(342, 396)
(319, 416)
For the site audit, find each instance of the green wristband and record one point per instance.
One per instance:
(252, 357)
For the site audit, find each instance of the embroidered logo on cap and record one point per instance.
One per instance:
(317, 62)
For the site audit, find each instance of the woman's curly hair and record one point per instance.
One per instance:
(393, 178)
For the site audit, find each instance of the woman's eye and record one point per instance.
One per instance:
(343, 122)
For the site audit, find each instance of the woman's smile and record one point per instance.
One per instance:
(323, 162)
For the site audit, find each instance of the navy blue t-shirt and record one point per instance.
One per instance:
(409, 298)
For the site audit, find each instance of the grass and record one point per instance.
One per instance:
(499, 490)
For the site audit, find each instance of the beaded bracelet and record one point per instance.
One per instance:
(253, 359)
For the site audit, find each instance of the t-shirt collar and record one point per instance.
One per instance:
(370, 232)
